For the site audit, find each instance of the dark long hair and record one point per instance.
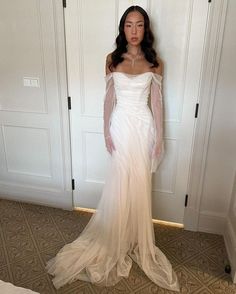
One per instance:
(146, 44)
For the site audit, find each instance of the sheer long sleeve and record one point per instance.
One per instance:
(157, 112)
(109, 103)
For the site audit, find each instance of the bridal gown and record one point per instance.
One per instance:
(121, 230)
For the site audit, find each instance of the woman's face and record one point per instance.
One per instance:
(134, 28)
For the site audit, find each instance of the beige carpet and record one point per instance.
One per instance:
(31, 234)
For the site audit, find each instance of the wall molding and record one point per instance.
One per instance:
(206, 221)
(57, 198)
(211, 222)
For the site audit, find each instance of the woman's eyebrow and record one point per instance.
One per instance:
(129, 21)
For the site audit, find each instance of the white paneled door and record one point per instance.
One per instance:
(34, 133)
(91, 28)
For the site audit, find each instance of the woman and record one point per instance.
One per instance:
(121, 230)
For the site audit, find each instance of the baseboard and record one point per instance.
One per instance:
(54, 198)
(204, 222)
(230, 243)
(211, 223)
(190, 219)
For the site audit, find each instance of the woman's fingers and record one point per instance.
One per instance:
(110, 145)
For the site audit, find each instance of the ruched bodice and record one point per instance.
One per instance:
(132, 89)
(132, 93)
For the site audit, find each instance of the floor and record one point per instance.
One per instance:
(31, 234)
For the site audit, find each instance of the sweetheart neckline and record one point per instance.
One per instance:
(133, 75)
(128, 74)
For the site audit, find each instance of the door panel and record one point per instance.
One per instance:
(34, 133)
(179, 30)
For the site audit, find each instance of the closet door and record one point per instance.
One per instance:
(179, 28)
(34, 132)
(91, 29)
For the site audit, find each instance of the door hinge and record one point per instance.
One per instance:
(186, 200)
(64, 3)
(69, 102)
(196, 110)
(73, 184)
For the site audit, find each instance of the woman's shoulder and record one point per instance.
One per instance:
(109, 58)
(159, 69)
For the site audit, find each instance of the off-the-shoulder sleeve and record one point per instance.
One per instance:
(157, 78)
(109, 103)
(157, 111)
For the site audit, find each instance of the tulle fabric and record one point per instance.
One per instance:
(109, 104)
(157, 112)
(121, 230)
(9, 288)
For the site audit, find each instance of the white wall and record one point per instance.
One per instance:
(221, 157)
(228, 57)
(212, 189)
(221, 154)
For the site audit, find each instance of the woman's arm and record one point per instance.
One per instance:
(109, 103)
(157, 109)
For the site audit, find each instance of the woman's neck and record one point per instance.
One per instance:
(134, 50)
(133, 54)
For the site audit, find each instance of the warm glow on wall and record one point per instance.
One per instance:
(155, 221)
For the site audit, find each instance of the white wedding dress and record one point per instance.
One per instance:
(121, 230)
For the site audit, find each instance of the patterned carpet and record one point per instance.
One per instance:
(32, 234)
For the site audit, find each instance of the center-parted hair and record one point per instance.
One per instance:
(146, 44)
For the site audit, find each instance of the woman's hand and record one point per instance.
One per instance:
(109, 144)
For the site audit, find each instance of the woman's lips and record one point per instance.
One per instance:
(134, 39)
